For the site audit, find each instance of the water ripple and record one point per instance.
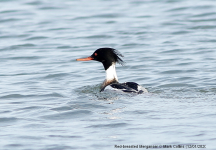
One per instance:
(113, 125)
(14, 96)
(68, 115)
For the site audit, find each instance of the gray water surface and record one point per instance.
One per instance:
(48, 101)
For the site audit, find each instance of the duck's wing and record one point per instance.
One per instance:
(130, 87)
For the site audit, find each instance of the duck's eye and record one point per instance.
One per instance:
(95, 54)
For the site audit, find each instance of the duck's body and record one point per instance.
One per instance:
(108, 57)
(128, 87)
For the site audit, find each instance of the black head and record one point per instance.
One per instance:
(106, 56)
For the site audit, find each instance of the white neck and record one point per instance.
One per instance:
(111, 73)
(111, 77)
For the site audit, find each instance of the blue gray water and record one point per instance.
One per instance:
(49, 101)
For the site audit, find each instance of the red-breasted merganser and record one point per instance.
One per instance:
(109, 57)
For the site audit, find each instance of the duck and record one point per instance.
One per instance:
(109, 57)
